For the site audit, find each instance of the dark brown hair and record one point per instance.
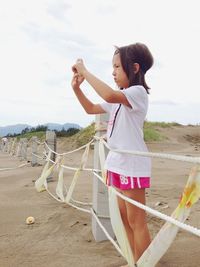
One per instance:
(135, 53)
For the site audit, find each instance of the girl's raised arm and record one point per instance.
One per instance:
(106, 92)
(88, 106)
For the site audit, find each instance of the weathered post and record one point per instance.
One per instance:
(19, 149)
(10, 145)
(24, 148)
(34, 145)
(12, 148)
(2, 144)
(51, 142)
(100, 192)
(6, 145)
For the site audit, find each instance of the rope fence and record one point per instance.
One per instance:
(155, 251)
(31, 151)
(176, 219)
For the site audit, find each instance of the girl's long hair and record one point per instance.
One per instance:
(135, 53)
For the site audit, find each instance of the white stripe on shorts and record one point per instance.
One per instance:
(138, 182)
(132, 182)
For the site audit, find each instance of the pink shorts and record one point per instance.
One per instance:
(123, 182)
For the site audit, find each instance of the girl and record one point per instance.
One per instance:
(127, 107)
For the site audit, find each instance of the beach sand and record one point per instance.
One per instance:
(61, 235)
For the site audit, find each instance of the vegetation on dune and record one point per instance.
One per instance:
(161, 124)
(40, 132)
(76, 137)
(151, 133)
(40, 135)
(67, 133)
(83, 136)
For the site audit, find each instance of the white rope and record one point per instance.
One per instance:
(79, 202)
(156, 213)
(106, 233)
(149, 154)
(191, 159)
(83, 169)
(151, 257)
(78, 208)
(152, 211)
(69, 203)
(72, 168)
(153, 155)
(39, 143)
(69, 152)
(37, 156)
(82, 203)
(14, 168)
(165, 217)
(56, 198)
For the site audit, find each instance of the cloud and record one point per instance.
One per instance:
(40, 40)
(164, 102)
(58, 9)
(107, 9)
(184, 113)
(65, 44)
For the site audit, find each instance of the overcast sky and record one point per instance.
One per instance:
(41, 39)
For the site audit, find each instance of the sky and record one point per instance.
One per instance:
(40, 40)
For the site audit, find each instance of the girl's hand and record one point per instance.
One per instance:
(76, 81)
(79, 67)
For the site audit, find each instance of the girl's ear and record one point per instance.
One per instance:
(136, 67)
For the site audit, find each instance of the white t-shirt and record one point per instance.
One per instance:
(128, 134)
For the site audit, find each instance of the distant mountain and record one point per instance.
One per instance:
(11, 129)
(17, 128)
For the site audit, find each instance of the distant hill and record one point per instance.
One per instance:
(17, 128)
(12, 129)
(59, 127)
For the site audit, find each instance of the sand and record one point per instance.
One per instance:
(61, 235)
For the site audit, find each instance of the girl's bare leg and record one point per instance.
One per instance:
(137, 222)
(123, 212)
(134, 220)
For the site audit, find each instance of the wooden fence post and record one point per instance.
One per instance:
(51, 142)
(12, 148)
(34, 145)
(24, 148)
(19, 148)
(100, 192)
(6, 146)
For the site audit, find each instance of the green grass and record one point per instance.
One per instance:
(40, 135)
(161, 124)
(83, 136)
(151, 134)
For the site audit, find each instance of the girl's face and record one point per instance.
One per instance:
(119, 74)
